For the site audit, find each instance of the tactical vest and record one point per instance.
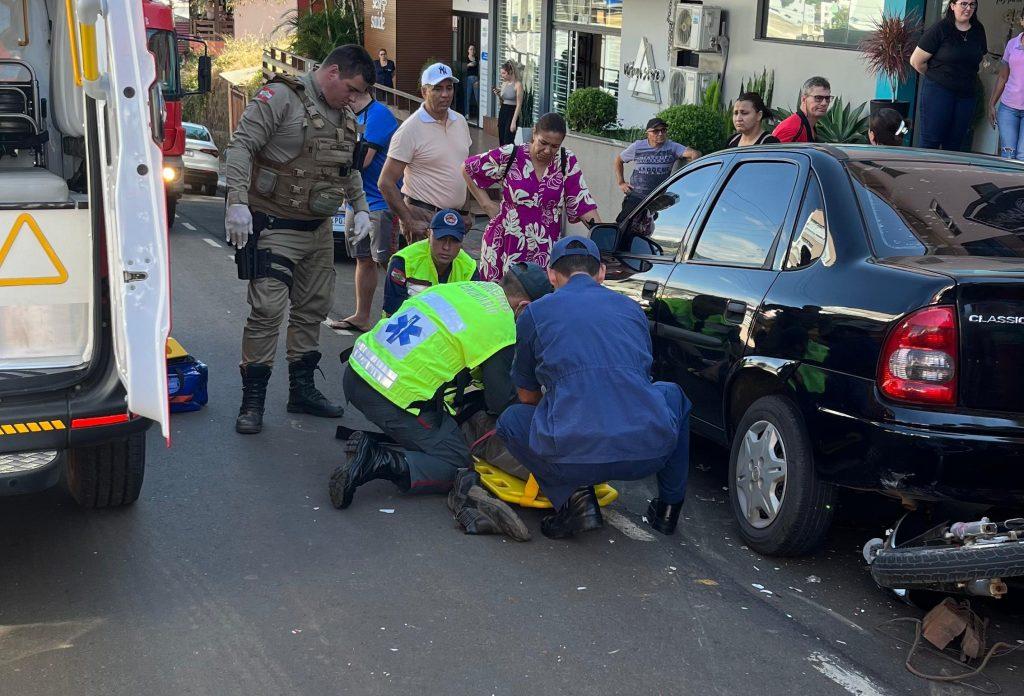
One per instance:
(420, 269)
(436, 335)
(311, 185)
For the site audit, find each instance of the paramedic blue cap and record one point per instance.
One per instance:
(448, 223)
(532, 277)
(574, 246)
(437, 73)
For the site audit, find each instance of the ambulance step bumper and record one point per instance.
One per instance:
(23, 472)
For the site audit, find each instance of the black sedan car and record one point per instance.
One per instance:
(839, 316)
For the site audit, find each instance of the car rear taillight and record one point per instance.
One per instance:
(212, 152)
(918, 363)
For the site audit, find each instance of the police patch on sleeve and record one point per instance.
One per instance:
(265, 94)
(397, 276)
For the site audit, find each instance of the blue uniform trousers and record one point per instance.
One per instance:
(558, 479)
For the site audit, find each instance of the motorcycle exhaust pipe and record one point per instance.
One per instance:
(965, 530)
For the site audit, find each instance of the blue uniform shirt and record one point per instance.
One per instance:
(590, 348)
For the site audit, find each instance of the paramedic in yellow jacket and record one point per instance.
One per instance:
(435, 260)
(291, 164)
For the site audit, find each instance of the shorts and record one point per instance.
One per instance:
(379, 244)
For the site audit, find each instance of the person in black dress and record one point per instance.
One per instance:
(748, 114)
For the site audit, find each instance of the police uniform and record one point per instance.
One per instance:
(398, 374)
(291, 162)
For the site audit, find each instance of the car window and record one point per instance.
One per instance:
(666, 217)
(962, 208)
(812, 241)
(196, 132)
(748, 214)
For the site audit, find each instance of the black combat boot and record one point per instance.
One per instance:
(581, 514)
(303, 396)
(371, 462)
(663, 516)
(478, 512)
(254, 393)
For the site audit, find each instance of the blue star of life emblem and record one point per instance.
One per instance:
(403, 330)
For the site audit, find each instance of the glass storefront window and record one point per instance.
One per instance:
(581, 59)
(838, 22)
(519, 40)
(605, 13)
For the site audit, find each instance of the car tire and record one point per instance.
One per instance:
(209, 189)
(777, 516)
(925, 566)
(109, 474)
(172, 206)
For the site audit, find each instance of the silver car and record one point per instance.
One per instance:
(202, 159)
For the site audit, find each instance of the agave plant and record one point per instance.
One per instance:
(843, 124)
(887, 49)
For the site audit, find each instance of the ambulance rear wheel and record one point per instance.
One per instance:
(109, 474)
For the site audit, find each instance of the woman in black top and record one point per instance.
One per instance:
(385, 69)
(472, 79)
(947, 56)
(748, 117)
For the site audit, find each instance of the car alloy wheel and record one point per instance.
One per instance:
(761, 474)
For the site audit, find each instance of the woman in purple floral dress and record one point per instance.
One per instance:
(528, 221)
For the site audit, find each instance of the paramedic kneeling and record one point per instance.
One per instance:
(401, 370)
(599, 416)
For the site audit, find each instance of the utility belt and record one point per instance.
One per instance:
(432, 208)
(254, 263)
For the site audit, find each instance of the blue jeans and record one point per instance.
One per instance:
(469, 93)
(1011, 135)
(558, 481)
(945, 117)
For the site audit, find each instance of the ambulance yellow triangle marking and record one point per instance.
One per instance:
(27, 220)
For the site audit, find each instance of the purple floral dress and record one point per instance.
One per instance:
(529, 221)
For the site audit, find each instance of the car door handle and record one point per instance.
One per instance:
(650, 290)
(735, 311)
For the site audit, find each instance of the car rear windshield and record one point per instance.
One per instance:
(196, 132)
(945, 208)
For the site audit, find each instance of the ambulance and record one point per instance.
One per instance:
(84, 278)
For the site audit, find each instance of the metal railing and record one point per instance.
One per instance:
(397, 99)
(278, 61)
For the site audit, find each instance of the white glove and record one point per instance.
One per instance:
(237, 225)
(361, 226)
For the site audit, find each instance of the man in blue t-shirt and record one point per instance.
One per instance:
(588, 409)
(371, 251)
(654, 159)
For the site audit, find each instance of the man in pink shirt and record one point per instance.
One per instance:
(815, 98)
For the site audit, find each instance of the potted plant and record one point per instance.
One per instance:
(886, 50)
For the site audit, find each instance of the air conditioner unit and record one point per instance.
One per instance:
(696, 27)
(687, 85)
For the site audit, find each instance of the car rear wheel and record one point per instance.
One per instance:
(109, 474)
(172, 206)
(209, 189)
(781, 505)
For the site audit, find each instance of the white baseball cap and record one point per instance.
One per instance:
(438, 72)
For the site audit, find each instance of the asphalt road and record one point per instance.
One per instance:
(234, 575)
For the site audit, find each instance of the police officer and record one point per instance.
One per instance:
(589, 411)
(398, 374)
(289, 167)
(432, 261)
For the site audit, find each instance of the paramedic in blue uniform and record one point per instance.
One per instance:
(589, 409)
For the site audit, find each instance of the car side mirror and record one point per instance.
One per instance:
(205, 74)
(645, 247)
(606, 236)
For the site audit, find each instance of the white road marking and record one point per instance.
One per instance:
(851, 680)
(210, 242)
(190, 226)
(627, 526)
(835, 615)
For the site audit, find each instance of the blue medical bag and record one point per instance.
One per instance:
(186, 379)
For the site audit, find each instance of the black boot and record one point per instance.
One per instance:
(370, 462)
(477, 512)
(303, 396)
(664, 516)
(254, 394)
(581, 514)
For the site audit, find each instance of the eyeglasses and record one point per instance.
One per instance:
(821, 98)
(658, 131)
(966, 5)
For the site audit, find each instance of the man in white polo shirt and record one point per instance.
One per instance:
(427, 154)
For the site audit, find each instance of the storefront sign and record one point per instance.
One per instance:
(643, 74)
(377, 18)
